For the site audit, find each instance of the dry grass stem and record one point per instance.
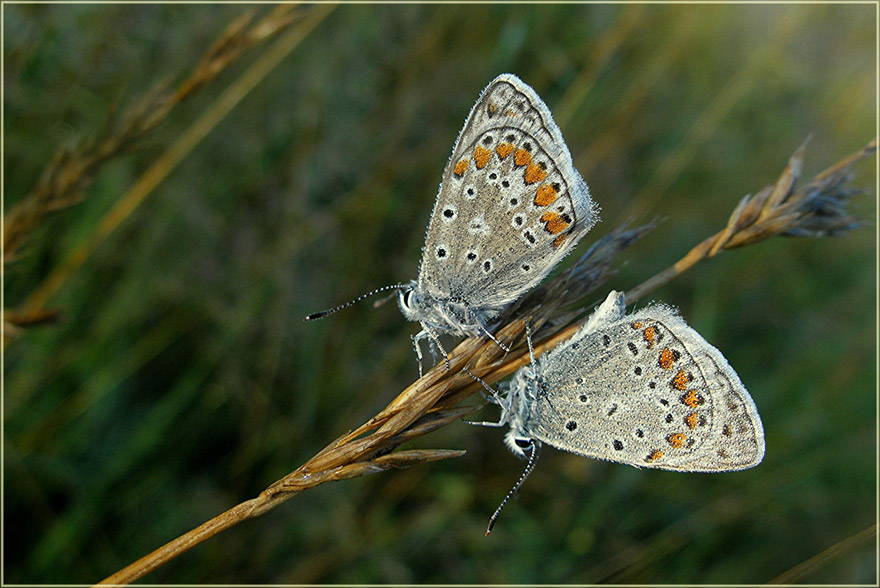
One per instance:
(817, 208)
(65, 180)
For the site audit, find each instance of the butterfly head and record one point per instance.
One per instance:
(515, 408)
(518, 443)
(439, 315)
(410, 301)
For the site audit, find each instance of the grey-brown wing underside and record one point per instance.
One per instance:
(510, 206)
(648, 391)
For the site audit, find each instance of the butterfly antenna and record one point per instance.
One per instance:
(533, 458)
(324, 313)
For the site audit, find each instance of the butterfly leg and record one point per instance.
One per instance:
(491, 336)
(479, 322)
(494, 399)
(433, 349)
(500, 423)
(436, 341)
(415, 340)
(529, 341)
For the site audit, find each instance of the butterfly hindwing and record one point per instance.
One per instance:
(649, 391)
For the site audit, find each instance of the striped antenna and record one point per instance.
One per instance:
(533, 459)
(324, 313)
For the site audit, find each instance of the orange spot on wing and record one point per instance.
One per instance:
(534, 174)
(481, 156)
(676, 440)
(681, 379)
(553, 222)
(522, 157)
(504, 149)
(637, 325)
(667, 358)
(546, 195)
(650, 334)
(558, 241)
(654, 455)
(692, 420)
(460, 167)
(692, 399)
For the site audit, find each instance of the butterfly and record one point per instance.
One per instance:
(643, 389)
(511, 205)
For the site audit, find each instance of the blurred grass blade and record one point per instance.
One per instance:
(809, 567)
(176, 153)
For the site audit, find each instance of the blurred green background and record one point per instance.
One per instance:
(182, 379)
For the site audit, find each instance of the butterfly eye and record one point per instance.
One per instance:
(522, 442)
(405, 297)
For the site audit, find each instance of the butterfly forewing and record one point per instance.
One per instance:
(510, 204)
(649, 391)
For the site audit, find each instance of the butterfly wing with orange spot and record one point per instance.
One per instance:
(669, 401)
(510, 206)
